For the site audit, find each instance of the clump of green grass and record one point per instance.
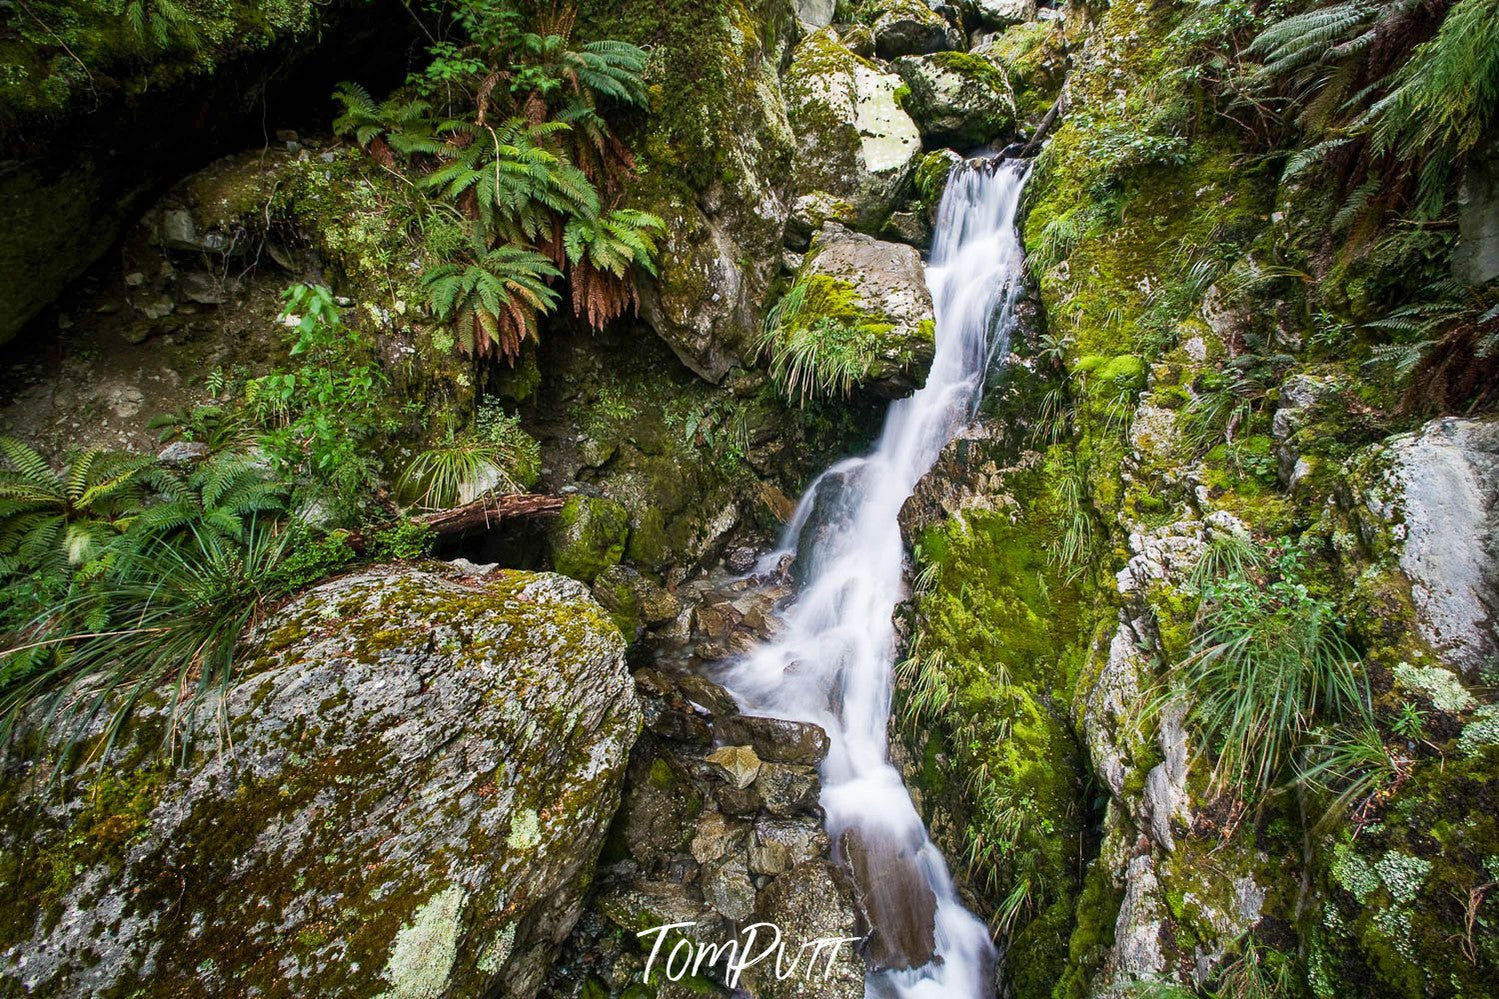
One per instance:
(814, 351)
(497, 456)
(169, 615)
(1269, 664)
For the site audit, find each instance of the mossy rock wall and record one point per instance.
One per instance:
(98, 118)
(407, 797)
(714, 156)
(1158, 244)
(697, 467)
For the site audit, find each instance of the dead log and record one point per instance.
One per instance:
(488, 511)
(482, 513)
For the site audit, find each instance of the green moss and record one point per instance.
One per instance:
(975, 68)
(932, 173)
(1093, 936)
(61, 55)
(1406, 905)
(995, 673)
(1033, 56)
(588, 536)
(1125, 371)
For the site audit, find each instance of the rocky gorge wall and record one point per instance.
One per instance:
(1060, 549)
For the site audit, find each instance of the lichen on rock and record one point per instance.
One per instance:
(410, 761)
(854, 141)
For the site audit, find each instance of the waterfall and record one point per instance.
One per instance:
(831, 663)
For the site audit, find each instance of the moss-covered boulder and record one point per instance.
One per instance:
(854, 142)
(588, 536)
(403, 794)
(714, 156)
(909, 27)
(1033, 56)
(865, 301)
(957, 98)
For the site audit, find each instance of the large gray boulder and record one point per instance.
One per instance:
(815, 13)
(1002, 13)
(404, 794)
(1433, 500)
(1476, 257)
(854, 142)
(910, 27)
(958, 98)
(717, 170)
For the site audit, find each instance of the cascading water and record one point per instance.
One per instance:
(831, 664)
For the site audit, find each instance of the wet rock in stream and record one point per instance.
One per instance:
(720, 826)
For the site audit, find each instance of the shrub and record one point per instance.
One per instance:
(170, 611)
(324, 418)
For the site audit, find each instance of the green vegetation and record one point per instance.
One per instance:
(819, 344)
(497, 456)
(980, 696)
(58, 54)
(1268, 664)
(122, 573)
(322, 419)
(504, 131)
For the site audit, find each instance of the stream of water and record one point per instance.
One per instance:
(831, 663)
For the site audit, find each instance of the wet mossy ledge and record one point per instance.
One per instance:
(404, 793)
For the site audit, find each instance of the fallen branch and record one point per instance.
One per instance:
(481, 513)
(1046, 125)
(488, 511)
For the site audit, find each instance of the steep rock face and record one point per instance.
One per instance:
(1433, 510)
(1198, 882)
(1476, 259)
(715, 153)
(984, 699)
(875, 295)
(416, 779)
(854, 142)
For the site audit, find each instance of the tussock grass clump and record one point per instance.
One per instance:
(1269, 664)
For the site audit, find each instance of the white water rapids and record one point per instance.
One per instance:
(831, 663)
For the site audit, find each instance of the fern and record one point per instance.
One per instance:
(1307, 38)
(1443, 97)
(494, 299)
(53, 522)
